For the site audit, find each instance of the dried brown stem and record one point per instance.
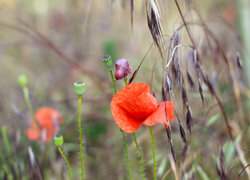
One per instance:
(216, 96)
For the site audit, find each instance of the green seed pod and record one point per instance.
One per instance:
(58, 140)
(79, 88)
(107, 61)
(22, 80)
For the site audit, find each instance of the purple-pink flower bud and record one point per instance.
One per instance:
(122, 69)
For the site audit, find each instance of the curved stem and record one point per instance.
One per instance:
(123, 135)
(80, 135)
(185, 24)
(113, 80)
(141, 156)
(153, 151)
(27, 101)
(64, 157)
(125, 81)
(126, 154)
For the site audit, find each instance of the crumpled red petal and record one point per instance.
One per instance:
(32, 133)
(131, 105)
(134, 105)
(160, 114)
(136, 100)
(46, 117)
(126, 122)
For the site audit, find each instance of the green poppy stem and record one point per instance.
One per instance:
(137, 145)
(141, 157)
(80, 135)
(27, 101)
(126, 81)
(65, 158)
(126, 154)
(123, 134)
(113, 81)
(153, 151)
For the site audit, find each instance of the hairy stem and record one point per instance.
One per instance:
(80, 135)
(126, 154)
(123, 134)
(141, 157)
(65, 158)
(137, 145)
(153, 151)
(113, 81)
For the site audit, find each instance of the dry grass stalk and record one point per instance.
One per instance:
(132, 13)
(173, 166)
(154, 24)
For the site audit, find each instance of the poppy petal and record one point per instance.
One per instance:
(159, 115)
(45, 116)
(123, 119)
(32, 133)
(136, 100)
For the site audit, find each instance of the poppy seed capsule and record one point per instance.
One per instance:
(58, 140)
(22, 80)
(79, 88)
(107, 61)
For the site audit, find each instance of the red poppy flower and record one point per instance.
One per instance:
(47, 119)
(134, 106)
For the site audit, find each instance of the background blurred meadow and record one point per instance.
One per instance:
(57, 42)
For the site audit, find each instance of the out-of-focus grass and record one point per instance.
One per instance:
(85, 31)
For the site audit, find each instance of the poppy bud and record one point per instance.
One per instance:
(107, 61)
(58, 140)
(122, 69)
(79, 88)
(22, 80)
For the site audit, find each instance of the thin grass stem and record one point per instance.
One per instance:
(5, 139)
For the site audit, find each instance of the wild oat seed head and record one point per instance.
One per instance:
(22, 80)
(79, 88)
(107, 61)
(58, 140)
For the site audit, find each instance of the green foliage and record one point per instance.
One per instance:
(93, 132)
(213, 119)
(229, 150)
(202, 173)
(110, 47)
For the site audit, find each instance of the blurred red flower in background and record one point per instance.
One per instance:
(134, 106)
(48, 119)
